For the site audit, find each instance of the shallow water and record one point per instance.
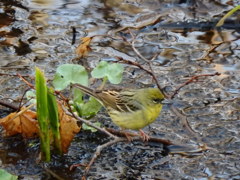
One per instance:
(40, 33)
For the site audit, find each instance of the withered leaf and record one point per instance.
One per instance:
(68, 128)
(24, 123)
(84, 48)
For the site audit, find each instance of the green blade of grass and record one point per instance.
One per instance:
(42, 114)
(221, 21)
(54, 120)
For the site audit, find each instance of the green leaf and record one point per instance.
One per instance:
(54, 120)
(101, 70)
(7, 176)
(112, 71)
(86, 127)
(70, 73)
(115, 72)
(42, 114)
(77, 95)
(90, 108)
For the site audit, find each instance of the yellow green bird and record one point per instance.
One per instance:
(129, 108)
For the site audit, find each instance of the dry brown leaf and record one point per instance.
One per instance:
(84, 48)
(24, 123)
(68, 128)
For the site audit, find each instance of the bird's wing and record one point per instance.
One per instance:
(119, 101)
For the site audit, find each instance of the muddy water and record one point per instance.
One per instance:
(40, 33)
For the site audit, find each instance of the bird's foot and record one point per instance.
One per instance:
(73, 166)
(145, 137)
(128, 136)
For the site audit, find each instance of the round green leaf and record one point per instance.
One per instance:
(115, 72)
(70, 73)
(91, 107)
(112, 71)
(7, 176)
(101, 70)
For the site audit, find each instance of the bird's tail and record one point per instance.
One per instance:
(86, 90)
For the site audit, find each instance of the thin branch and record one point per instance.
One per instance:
(6, 74)
(193, 79)
(98, 152)
(121, 60)
(56, 176)
(137, 52)
(24, 80)
(9, 105)
(89, 123)
(149, 62)
(20, 104)
(185, 124)
(136, 137)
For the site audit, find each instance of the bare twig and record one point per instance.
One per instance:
(98, 152)
(89, 124)
(185, 124)
(74, 32)
(20, 104)
(192, 79)
(137, 52)
(9, 105)
(24, 80)
(56, 176)
(151, 139)
(121, 60)
(150, 71)
(6, 74)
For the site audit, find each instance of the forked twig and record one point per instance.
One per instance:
(185, 124)
(149, 62)
(192, 79)
(98, 152)
(90, 124)
(124, 61)
(24, 80)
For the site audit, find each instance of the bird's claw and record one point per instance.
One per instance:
(145, 137)
(128, 136)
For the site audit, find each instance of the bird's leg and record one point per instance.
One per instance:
(144, 136)
(128, 136)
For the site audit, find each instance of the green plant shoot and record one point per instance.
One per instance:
(42, 114)
(221, 21)
(54, 120)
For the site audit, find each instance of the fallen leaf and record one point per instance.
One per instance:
(68, 128)
(24, 123)
(84, 48)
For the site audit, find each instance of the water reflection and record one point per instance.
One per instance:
(39, 17)
(7, 17)
(57, 4)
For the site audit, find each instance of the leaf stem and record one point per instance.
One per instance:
(105, 79)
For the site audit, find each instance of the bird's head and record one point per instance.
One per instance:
(154, 97)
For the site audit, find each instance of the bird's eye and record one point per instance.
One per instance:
(157, 101)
